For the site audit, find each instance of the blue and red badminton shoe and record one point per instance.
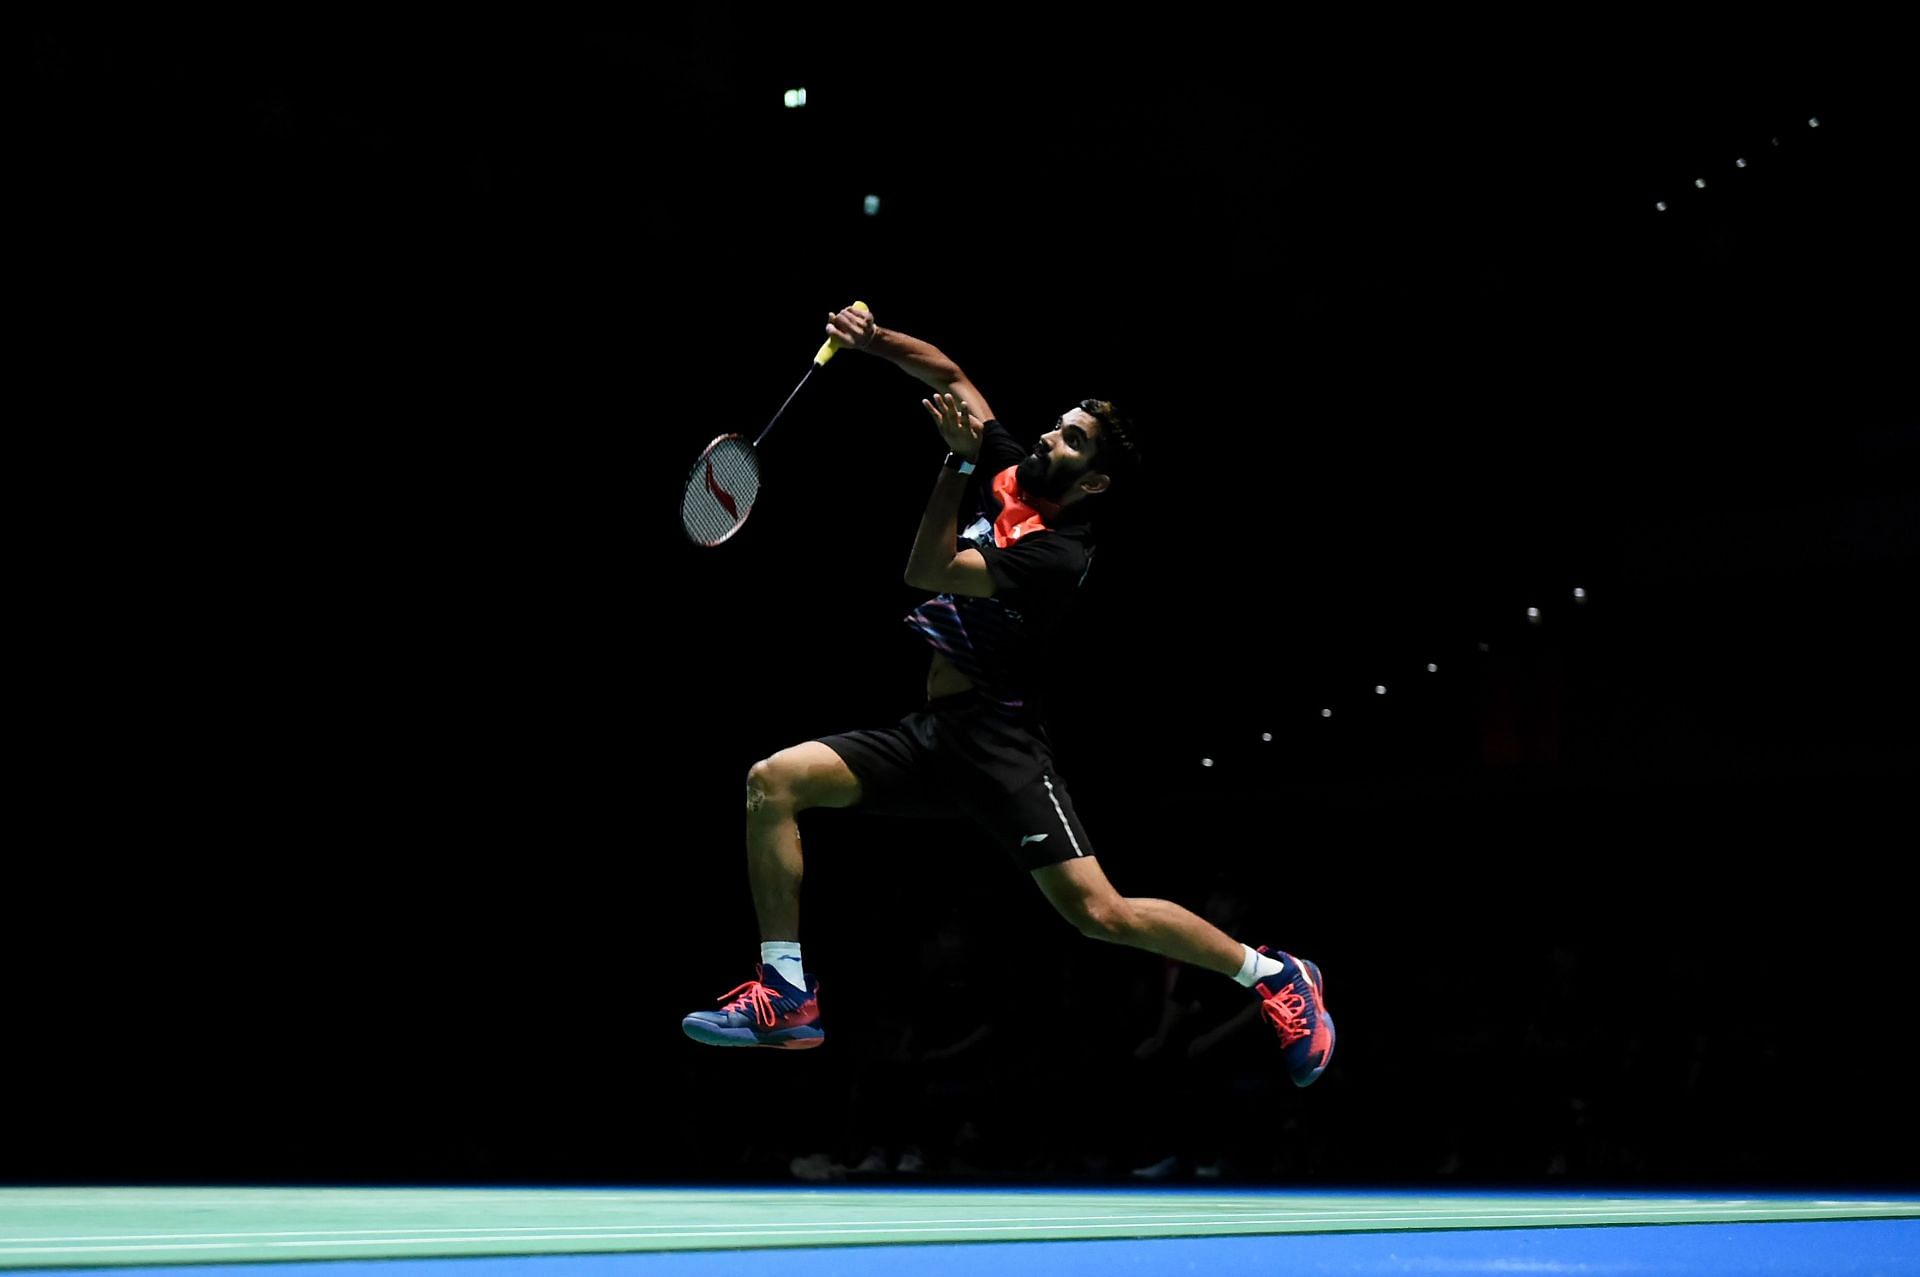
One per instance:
(767, 1011)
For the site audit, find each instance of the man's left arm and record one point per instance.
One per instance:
(934, 564)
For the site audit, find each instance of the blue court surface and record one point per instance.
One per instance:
(1040, 1233)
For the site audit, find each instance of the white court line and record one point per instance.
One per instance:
(486, 1237)
(1105, 1217)
(327, 1196)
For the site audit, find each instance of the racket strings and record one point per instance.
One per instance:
(720, 492)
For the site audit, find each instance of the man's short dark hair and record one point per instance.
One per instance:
(1119, 453)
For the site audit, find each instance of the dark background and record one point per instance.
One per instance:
(380, 802)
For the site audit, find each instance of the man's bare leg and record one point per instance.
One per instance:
(1079, 889)
(778, 790)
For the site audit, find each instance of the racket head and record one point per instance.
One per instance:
(720, 491)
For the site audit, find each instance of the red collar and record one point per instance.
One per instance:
(1019, 513)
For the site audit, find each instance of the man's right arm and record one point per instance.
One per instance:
(921, 360)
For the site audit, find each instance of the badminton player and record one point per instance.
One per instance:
(1005, 542)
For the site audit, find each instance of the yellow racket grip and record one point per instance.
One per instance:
(828, 346)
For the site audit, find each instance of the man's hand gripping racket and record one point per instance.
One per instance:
(724, 483)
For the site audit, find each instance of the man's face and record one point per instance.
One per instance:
(1061, 457)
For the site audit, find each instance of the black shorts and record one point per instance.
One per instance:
(962, 758)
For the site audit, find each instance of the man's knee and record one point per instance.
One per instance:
(797, 778)
(769, 786)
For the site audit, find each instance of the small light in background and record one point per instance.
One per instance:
(872, 205)
(1700, 182)
(1739, 163)
(795, 98)
(1579, 593)
(1483, 647)
(1326, 713)
(1533, 614)
(1814, 123)
(1206, 762)
(1266, 735)
(1661, 205)
(1433, 669)
(1379, 689)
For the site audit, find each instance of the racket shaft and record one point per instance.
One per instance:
(783, 407)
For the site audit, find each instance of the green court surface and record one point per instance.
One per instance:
(93, 1227)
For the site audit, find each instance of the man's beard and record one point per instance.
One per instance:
(1035, 481)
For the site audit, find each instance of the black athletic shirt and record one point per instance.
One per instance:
(997, 642)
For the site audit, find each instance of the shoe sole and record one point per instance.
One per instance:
(796, 1039)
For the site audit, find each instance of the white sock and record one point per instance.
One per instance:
(1257, 966)
(784, 956)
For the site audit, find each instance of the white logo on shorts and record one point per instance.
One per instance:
(1033, 838)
